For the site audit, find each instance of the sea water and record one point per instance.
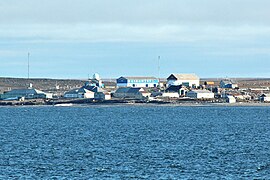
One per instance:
(134, 142)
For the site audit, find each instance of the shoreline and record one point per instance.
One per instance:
(80, 103)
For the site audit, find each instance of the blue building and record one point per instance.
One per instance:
(228, 84)
(137, 82)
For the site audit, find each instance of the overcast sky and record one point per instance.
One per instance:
(74, 38)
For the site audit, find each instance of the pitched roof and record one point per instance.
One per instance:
(174, 88)
(24, 91)
(265, 95)
(185, 76)
(78, 90)
(128, 90)
(228, 81)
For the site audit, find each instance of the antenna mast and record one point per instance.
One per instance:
(28, 65)
(158, 68)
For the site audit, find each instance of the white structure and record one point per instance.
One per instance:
(200, 94)
(171, 95)
(95, 81)
(142, 82)
(79, 93)
(230, 99)
(188, 80)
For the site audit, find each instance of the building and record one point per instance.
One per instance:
(265, 98)
(79, 93)
(230, 99)
(131, 93)
(30, 93)
(103, 96)
(170, 95)
(200, 94)
(95, 81)
(228, 84)
(188, 80)
(180, 89)
(137, 82)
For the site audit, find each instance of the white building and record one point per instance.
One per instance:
(137, 82)
(79, 93)
(200, 94)
(171, 95)
(230, 99)
(188, 80)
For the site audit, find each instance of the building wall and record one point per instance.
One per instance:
(266, 99)
(197, 95)
(138, 83)
(71, 96)
(180, 82)
(171, 95)
(89, 95)
(129, 95)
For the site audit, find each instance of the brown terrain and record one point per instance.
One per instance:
(62, 85)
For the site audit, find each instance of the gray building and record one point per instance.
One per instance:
(131, 93)
(228, 83)
(26, 93)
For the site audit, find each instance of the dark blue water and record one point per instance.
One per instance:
(136, 142)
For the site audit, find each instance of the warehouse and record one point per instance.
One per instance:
(137, 82)
(188, 80)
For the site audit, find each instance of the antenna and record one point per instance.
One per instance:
(28, 65)
(158, 68)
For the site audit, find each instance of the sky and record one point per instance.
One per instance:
(77, 38)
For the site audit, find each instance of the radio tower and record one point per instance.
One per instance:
(158, 68)
(28, 66)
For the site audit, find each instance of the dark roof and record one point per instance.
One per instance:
(174, 88)
(94, 88)
(77, 91)
(128, 90)
(137, 77)
(24, 91)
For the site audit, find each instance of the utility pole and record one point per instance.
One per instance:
(28, 66)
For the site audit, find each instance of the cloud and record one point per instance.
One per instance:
(133, 20)
(131, 33)
(150, 12)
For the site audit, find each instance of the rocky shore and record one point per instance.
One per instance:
(41, 102)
